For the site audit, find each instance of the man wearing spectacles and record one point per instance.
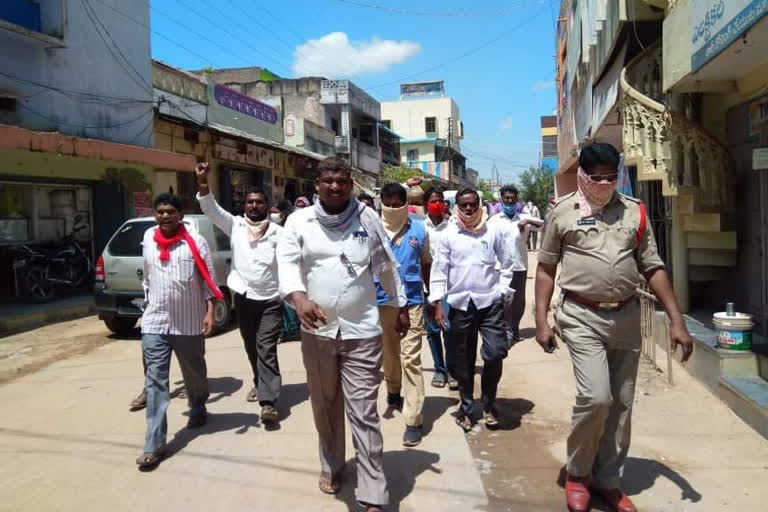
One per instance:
(602, 242)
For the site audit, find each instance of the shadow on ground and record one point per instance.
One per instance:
(640, 475)
(401, 468)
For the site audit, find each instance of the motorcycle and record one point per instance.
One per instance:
(41, 271)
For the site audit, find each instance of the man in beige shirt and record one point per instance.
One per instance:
(604, 245)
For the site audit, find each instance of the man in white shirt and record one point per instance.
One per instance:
(179, 288)
(253, 279)
(464, 274)
(516, 227)
(329, 254)
(533, 234)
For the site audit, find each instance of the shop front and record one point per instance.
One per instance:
(65, 195)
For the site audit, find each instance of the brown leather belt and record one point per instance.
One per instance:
(599, 306)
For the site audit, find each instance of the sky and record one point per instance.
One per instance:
(495, 56)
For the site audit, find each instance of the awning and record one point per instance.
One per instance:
(14, 137)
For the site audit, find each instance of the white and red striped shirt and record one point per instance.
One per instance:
(175, 291)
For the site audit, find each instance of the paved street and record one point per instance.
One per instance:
(69, 442)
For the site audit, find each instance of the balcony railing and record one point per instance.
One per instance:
(667, 146)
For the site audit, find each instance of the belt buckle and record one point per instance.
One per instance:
(609, 305)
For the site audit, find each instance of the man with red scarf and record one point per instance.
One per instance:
(604, 244)
(179, 287)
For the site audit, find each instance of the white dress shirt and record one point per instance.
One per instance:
(515, 239)
(434, 232)
(254, 264)
(311, 261)
(465, 268)
(175, 292)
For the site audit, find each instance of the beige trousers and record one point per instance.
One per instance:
(343, 375)
(402, 361)
(605, 351)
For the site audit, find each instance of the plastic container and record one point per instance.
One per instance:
(733, 332)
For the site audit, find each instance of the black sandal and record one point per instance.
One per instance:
(150, 460)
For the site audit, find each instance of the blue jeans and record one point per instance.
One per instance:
(190, 351)
(436, 343)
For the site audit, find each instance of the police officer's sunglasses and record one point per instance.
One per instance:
(604, 177)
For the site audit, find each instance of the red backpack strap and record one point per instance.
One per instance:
(643, 223)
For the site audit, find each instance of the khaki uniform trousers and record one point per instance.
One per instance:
(605, 351)
(402, 361)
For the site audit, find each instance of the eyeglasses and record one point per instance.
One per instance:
(604, 177)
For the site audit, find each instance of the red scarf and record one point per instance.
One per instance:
(164, 244)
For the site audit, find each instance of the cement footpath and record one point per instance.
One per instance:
(69, 443)
(20, 316)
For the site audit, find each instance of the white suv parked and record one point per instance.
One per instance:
(118, 292)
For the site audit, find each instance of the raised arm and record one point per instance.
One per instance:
(218, 215)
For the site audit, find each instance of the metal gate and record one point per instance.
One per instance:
(659, 217)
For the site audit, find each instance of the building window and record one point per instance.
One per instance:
(335, 126)
(430, 125)
(413, 155)
(387, 123)
(461, 129)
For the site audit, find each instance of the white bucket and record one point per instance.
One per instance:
(733, 332)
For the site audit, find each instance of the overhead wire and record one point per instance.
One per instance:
(86, 127)
(443, 14)
(226, 31)
(130, 71)
(155, 32)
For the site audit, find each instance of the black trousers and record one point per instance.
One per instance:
(260, 322)
(464, 329)
(514, 309)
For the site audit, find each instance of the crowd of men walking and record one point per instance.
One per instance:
(365, 288)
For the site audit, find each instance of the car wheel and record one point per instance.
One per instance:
(120, 325)
(222, 313)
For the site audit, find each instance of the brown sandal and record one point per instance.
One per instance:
(329, 485)
(253, 395)
(139, 402)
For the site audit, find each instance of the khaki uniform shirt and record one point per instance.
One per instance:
(600, 257)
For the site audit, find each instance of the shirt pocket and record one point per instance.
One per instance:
(357, 249)
(186, 269)
(588, 238)
(626, 237)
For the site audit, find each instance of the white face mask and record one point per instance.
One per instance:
(276, 218)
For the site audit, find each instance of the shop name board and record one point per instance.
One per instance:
(229, 98)
(715, 24)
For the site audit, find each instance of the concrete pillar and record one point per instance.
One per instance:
(679, 257)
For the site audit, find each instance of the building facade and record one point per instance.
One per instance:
(680, 87)
(430, 125)
(549, 157)
(76, 118)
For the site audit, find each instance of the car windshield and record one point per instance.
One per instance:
(127, 241)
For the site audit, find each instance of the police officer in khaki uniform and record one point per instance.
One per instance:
(604, 245)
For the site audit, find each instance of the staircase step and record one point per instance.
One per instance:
(701, 222)
(748, 397)
(712, 257)
(712, 240)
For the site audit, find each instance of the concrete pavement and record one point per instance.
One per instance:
(68, 442)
